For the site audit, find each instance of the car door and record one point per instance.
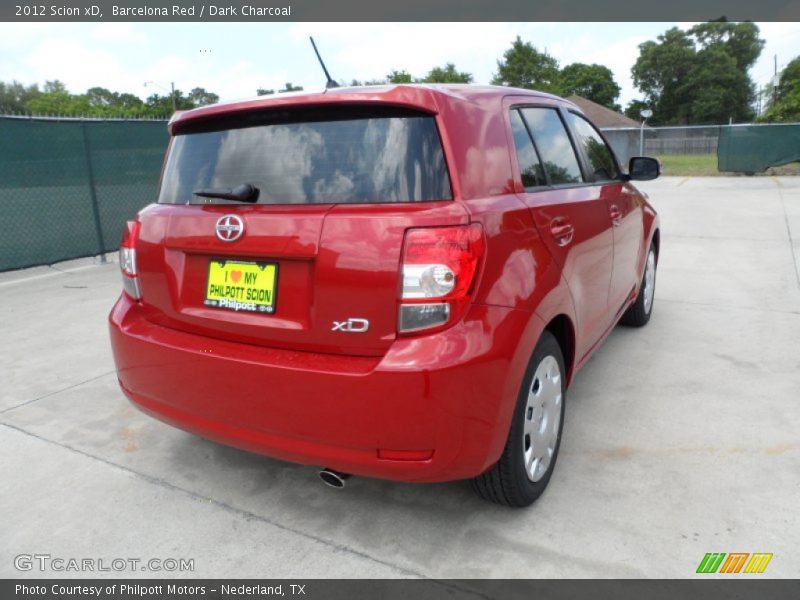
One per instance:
(569, 213)
(623, 205)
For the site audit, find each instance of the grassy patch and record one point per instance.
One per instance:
(689, 165)
(705, 165)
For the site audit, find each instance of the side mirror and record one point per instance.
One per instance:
(643, 168)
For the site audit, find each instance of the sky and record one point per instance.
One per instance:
(234, 59)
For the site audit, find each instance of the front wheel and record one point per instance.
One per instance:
(638, 313)
(527, 462)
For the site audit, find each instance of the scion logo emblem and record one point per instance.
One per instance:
(229, 228)
(351, 326)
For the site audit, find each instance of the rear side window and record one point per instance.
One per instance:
(530, 167)
(601, 160)
(370, 159)
(554, 145)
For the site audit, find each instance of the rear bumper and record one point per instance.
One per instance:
(433, 408)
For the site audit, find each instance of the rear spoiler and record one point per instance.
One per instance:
(175, 116)
(397, 96)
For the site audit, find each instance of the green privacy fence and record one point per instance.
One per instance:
(754, 148)
(67, 186)
(738, 148)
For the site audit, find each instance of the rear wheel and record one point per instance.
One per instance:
(638, 313)
(529, 457)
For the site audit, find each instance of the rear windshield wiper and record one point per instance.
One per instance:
(241, 193)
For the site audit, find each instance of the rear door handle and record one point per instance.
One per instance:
(562, 231)
(616, 214)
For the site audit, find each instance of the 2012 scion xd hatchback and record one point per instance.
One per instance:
(396, 282)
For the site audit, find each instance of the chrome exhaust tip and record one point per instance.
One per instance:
(333, 478)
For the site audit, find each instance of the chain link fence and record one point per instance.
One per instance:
(68, 185)
(660, 141)
(744, 148)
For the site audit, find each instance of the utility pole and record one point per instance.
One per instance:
(172, 92)
(646, 114)
(775, 83)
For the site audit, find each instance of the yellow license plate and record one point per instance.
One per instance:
(242, 286)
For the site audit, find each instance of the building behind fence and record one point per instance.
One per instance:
(67, 186)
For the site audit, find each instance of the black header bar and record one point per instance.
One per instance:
(405, 10)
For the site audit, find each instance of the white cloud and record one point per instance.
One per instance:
(371, 50)
(20, 36)
(238, 58)
(70, 60)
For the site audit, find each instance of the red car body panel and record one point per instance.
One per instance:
(431, 406)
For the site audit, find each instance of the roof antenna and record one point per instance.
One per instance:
(330, 83)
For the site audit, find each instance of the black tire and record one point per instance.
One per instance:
(638, 313)
(508, 482)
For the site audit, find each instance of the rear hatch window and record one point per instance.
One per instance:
(338, 187)
(351, 155)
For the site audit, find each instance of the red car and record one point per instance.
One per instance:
(396, 282)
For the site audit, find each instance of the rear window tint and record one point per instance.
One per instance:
(530, 168)
(554, 145)
(352, 160)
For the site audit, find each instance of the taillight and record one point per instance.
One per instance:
(438, 272)
(127, 260)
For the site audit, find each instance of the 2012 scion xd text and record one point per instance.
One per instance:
(396, 282)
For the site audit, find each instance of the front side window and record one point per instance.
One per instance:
(554, 145)
(602, 163)
(353, 159)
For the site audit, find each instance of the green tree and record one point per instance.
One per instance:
(447, 74)
(102, 102)
(357, 83)
(718, 90)
(56, 100)
(786, 107)
(55, 87)
(15, 96)
(594, 82)
(101, 97)
(288, 87)
(739, 40)
(787, 110)
(157, 105)
(635, 108)
(660, 73)
(399, 77)
(699, 75)
(524, 66)
(129, 102)
(790, 78)
(200, 97)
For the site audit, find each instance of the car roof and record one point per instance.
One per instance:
(425, 97)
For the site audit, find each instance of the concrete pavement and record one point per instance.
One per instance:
(680, 438)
